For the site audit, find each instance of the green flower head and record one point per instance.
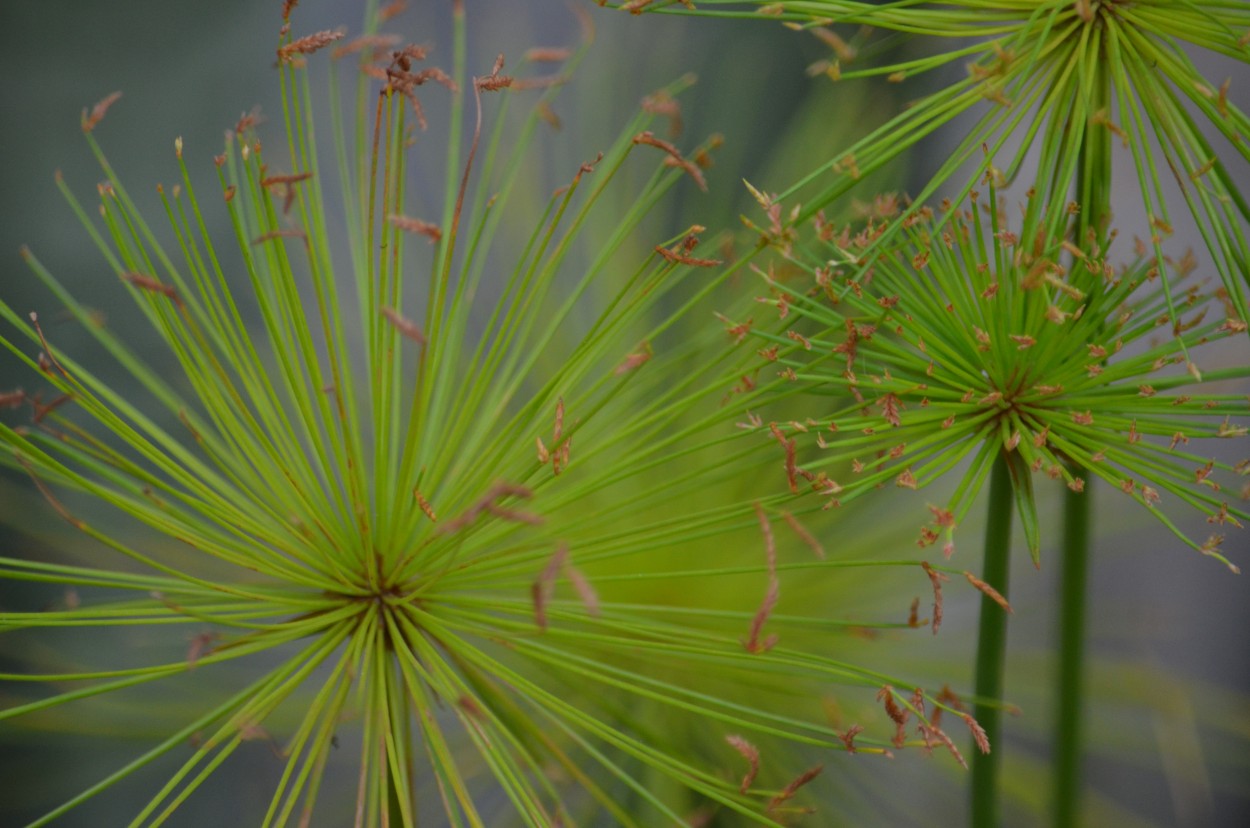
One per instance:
(468, 513)
(965, 339)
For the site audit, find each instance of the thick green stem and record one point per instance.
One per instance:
(1068, 730)
(992, 649)
(1094, 190)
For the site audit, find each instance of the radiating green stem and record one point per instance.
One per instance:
(1068, 730)
(992, 648)
(394, 807)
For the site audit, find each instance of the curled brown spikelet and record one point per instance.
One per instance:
(989, 591)
(681, 258)
(42, 409)
(751, 754)
(288, 6)
(635, 360)
(151, 285)
(98, 111)
(679, 160)
(791, 468)
(494, 81)
(581, 585)
(753, 643)
(559, 450)
(425, 506)
(949, 698)
(936, 578)
(545, 585)
(391, 10)
(799, 781)
(405, 326)
(247, 121)
(284, 180)
(978, 733)
(936, 734)
(308, 44)
(488, 503)
(913, 614)
(200, 645)
(376, 45)
(804, 535)
(541, 54)
(848, 737)
(12, 399)
(414, 225)
(664, 104)
(281, 234)
(897, 714)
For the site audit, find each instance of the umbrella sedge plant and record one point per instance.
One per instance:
(492, 553)
(1053, 87)
(971, 349)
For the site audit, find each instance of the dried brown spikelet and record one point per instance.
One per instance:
(98, 111)
(897, 714)
(308, 44)
(151, 285)
(751, 754)
(989, 591)
(663, 104)
(802, 779)
(280, 234)
(12, 399)
(414, 225)
(392, 10)
(547, 54)
(675, 156)
(426, 508)
(804, 535)
(978, 733)
(544, 585)
(494, 81)
(405, 326)
(682, 258)
(585, 592)
(754, 644)
(935, 578)
(377, 44)
(635, 360)
(488, 503)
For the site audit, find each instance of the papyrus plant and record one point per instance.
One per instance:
(1049, 91)
(465, 516)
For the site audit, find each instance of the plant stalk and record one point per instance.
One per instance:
(1068, 721)
(1094, 192)
(992, 648)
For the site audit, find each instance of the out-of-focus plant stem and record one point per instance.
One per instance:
(1094, 192)
(992, 648)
